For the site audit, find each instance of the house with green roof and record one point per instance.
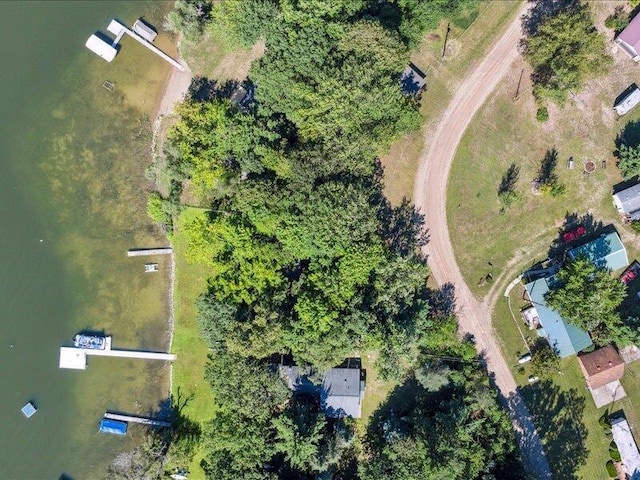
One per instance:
(606, 251)
(564, 338)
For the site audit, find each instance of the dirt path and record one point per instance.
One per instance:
(430, 198)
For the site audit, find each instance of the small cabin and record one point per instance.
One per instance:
(629, 39)
(412, 80)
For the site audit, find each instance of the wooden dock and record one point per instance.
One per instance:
(136, 419)
(76, 358)
(143, 252)
(119, 30)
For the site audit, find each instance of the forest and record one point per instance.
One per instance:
(307, 259)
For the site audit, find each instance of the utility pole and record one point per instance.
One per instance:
(515, 97)
(446, 36)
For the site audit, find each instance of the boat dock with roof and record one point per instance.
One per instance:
(141, 33)
(76, 358)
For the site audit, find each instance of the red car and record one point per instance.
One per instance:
(574, 234)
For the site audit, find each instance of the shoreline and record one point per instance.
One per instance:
(175, 88)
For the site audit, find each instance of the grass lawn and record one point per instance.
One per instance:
(188, 370)
(464, 48)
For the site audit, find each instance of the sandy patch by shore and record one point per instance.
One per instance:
(174, 91)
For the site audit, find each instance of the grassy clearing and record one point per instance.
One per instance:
(504, 132)
(188, 370)
(215, 57)
(377, 389)
(465, 47)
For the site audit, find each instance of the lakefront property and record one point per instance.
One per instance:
(323, 325)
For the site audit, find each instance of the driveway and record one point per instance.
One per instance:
(430, 190)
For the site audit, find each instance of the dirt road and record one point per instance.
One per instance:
(430, 198)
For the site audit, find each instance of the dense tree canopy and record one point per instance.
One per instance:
(306, 257)
(450, 426)
(564, 51)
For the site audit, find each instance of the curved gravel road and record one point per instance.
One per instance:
(430, 189)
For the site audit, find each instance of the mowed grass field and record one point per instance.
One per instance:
(189, 385)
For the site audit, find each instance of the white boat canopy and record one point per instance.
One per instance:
(101, 48)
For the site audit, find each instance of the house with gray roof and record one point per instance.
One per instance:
(627, 202)
(412, 80)
(627, 446)
(341, 391)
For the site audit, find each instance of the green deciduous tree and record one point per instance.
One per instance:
(545, 361)
(587, 296)
(565, 51)
(189, 18)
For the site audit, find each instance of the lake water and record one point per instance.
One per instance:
(72, 201)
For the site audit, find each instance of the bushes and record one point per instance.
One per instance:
(611, 469)
(617, 21)
(542, 114)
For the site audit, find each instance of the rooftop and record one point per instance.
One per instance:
(631, 35)
(412, 80)
(342, 392)
(628, 201)
(606, 251)
(627, 445)
(565, 339)
(601, 366)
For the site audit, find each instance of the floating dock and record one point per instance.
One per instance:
(76, 358)
(29, 410)
(140, 33)
(136, 419)
(143, 252)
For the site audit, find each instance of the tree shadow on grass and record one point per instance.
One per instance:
(573, 220)
(442, 301)
(403, 227)
(629, 135)
(558, 417)
(509, 179)
(547, 172)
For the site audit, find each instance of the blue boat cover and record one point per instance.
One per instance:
(116, 427)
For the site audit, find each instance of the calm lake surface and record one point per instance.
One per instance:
(72, 201)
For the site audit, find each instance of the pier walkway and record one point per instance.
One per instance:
(119, 30)
(76, 358)
(136, 419)
(142, 252)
